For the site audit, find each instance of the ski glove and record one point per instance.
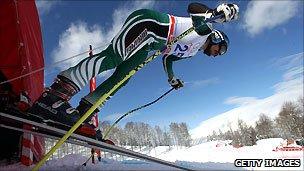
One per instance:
(231, 11)
(176, 83)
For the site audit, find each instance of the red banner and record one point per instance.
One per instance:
(21, 54)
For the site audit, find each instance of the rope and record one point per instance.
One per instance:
(49, 66)
(133, 110)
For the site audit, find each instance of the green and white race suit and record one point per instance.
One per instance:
(143, 31)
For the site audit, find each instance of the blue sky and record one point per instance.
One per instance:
(266, 46)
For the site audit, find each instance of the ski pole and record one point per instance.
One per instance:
(133, 110)
(103, 98)
(85, 163)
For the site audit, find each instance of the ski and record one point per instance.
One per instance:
(42, 127)
(39, 133)
(34, 117)
(56, 133)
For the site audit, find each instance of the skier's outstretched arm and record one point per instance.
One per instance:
(230, 11)
(167, 64)
(199, 12)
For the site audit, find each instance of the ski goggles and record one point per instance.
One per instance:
(223, 49)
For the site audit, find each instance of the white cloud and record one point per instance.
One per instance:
(293, 72)
(112, 117)
(240, 100)
(289, 89)
(261, 15)
(115, 116)
(121, 14)
(202, 83)
(293, 66)
(290, 85)
(76, 39)
(288, 62)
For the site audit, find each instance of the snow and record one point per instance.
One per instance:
(250, 110)
(222, 152)
(217, 155)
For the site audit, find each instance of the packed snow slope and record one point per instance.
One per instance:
(248, 112)
(215, 155)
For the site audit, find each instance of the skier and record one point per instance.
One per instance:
(143, 31)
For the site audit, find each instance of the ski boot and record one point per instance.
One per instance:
(91, 131)
(86, 130)
(53, 106)
(83, 107)
(100, 137)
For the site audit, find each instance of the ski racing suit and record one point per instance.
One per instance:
(143, 31)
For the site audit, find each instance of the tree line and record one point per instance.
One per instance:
(141, 134)
(289, 123)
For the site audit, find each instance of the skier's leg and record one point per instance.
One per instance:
(121, 71)
(53, 103)
(142, 27)
(91, 67)
(143, 31)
